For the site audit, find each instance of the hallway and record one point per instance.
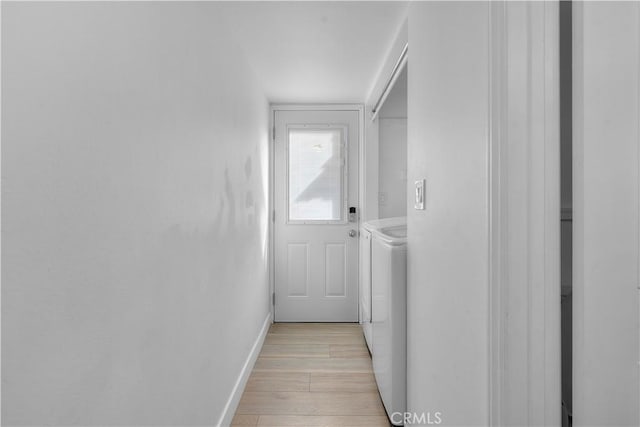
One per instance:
(461, 178)
(312, 374)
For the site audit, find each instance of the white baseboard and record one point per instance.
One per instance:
(234, 399)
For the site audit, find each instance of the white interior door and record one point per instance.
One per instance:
(316, 238)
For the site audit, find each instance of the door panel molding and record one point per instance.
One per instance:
(294, 276)
(329, 262)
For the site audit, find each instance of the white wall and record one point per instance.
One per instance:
(447, 314)
(395, 105)
(370, 159)
(606, 119)
(392, 178)
(483, 325)
(134, 156)
(392, 145)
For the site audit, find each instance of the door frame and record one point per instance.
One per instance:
(359, 108)
(524, 42)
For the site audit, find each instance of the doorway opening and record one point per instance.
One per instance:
(566, 213)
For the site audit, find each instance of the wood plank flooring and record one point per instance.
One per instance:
(312, 374)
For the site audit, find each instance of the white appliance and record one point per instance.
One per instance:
(388, 303)
(365, 284)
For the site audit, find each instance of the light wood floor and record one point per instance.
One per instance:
(312, 374)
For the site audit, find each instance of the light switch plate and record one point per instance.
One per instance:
(419, 201)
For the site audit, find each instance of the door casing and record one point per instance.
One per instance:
(524, 214)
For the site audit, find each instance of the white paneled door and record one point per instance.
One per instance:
(316, 233)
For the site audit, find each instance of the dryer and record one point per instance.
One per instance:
(388, 299)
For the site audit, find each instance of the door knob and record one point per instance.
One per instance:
(352, 233)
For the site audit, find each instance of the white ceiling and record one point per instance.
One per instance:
(322, 52)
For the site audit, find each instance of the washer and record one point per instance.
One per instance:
(388, 310)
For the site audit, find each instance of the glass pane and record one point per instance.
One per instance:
(315, 175)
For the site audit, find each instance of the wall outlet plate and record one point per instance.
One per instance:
(420, 187)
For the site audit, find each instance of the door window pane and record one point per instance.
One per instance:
(316, 174)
